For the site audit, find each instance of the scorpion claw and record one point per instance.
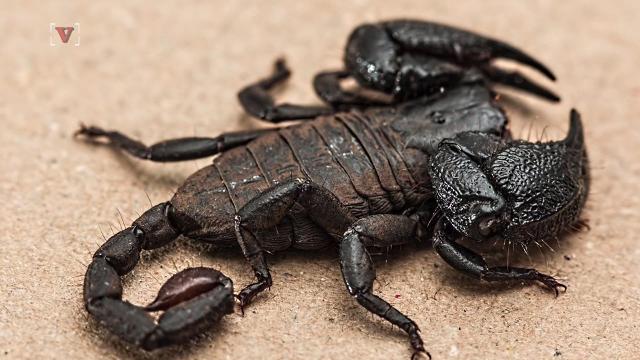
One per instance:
(507, 51)
(518, 81)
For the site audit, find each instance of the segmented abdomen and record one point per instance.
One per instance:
(345, 153)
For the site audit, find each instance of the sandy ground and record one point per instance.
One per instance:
(161, 70)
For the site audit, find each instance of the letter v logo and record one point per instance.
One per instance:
(64, 32)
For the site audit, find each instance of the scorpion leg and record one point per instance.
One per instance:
(474, 265)
(327, 87)
(194, 299)
(268, 209)
(358, 271)
(174, 149)
(256, 100)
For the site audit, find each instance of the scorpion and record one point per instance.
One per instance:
(418, 153)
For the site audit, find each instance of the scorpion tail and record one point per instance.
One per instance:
(193, 299)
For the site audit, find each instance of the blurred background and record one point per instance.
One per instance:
(160, 69)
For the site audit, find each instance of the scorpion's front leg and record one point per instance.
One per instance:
(358, 271)
(270, 208)
(474, 265)
(194, 299)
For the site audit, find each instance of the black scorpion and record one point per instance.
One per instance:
(426, 159)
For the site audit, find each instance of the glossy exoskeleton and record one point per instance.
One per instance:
(434, 163)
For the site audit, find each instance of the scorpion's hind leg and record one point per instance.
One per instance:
(256, 100)
(181, 149)
(269, 209)
(358, 271)
(194, 299)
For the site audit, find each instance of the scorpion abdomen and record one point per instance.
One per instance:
(347, 154)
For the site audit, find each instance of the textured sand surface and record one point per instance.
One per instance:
(160, 70)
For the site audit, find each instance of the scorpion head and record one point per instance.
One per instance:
(519, 191)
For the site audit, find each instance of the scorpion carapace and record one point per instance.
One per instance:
(434, 164)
